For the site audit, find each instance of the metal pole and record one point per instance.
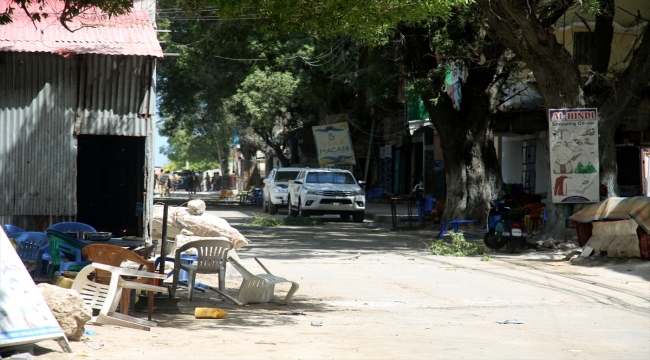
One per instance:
(164, 240)
(424, 162)
(365, 173)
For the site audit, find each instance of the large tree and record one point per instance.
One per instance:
(526, 27)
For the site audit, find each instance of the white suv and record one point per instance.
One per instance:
(275, 188)
(327, 191)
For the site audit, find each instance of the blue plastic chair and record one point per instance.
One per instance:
(11, 229)
(34, 246)
(374, 193)
(428, 207)
(71, 226)
(257, 198)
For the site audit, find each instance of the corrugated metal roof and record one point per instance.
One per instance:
(96, 33)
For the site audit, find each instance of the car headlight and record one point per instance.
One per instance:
(281, 190)
(313, 192)
(358, 192)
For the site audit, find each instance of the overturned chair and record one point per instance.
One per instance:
(105, 298)
(258, 288)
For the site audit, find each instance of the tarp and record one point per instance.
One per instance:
(617, 208)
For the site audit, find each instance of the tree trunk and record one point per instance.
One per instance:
(472, 171)
(514, 24)
(277, 149)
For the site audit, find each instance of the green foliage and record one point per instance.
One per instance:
(368, 21)
(458, 246)
(289, 221)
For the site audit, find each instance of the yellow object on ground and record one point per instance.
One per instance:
(63, 282)
(209, 313)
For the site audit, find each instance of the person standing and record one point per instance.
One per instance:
(165, 183)
(216, 181)
(176, 182)
(418, 194)
(208, 186)
(189, 178)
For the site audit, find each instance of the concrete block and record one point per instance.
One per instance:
(624, 247)
(599, 242)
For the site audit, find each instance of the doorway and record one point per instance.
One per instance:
(110, 182)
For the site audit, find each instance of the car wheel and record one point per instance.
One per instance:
(359, 216)
(266, 206)
(273, 209)
(301, 211)
(292, 212)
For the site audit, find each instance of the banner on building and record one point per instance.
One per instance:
(334, 144)
(573, 144)
(25, 317)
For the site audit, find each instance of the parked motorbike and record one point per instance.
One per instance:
(505, 228)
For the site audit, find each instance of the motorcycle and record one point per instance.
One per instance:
(505, 228)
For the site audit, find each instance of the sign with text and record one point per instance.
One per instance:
(333, 144)
(25, 317)
(573, 144)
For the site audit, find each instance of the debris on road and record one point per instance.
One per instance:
(316, 323)
(94, 345)
(292, 313)
(510, 321)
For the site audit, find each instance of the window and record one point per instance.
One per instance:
(584, 49)
(528, 164)
(285, 176)
(330, 178)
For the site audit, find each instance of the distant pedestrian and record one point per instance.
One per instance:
(216, 182)
(189, 178)
(165, 183)
(176, 182)
(418, 193)
(208, 185)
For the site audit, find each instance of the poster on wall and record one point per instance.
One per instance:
(25, 317)
(573, 144)
(334, 144)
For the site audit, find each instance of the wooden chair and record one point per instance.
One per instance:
(115, 256)
(533, 215)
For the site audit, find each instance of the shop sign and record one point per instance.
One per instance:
(573, 144)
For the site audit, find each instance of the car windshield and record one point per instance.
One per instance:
(330, 178)
(285, 176)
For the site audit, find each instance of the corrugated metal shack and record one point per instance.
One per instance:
(77, 117)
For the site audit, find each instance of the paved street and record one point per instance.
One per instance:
(379, 295)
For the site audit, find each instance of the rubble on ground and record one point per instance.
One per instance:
(68, 308)
(193, 222)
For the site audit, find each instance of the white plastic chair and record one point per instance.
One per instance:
(105, 298)
(258, 288)
(212, 258)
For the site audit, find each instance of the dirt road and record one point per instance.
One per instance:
(379, 295)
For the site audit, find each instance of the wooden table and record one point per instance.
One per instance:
(393, 210)
(118, 242)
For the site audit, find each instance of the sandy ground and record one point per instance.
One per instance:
(379, 295)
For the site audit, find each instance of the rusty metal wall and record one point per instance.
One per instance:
(45, 100)
(37, 150)
(114, 95)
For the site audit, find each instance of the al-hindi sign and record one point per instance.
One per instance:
(573, 144)
(333, 144)
(25, 317)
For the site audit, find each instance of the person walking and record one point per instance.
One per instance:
(165, 184)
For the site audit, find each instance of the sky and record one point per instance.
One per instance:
(161, 159)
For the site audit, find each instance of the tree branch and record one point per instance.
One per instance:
(551, 12)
